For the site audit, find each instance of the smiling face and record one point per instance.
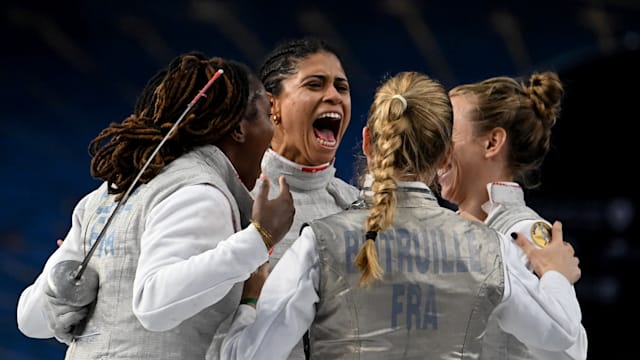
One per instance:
(463, 177)
(312, 111)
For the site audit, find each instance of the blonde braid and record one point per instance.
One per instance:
(410, 124)
(387, 124)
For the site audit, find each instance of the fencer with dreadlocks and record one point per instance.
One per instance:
(172, 262)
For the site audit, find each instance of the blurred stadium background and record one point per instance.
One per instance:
(69, 68)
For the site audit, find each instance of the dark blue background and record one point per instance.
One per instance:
(69, 68)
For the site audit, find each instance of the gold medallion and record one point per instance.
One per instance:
(541, 233)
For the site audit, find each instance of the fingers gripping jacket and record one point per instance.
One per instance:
(63, 319)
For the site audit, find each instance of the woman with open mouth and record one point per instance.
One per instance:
(310, 111)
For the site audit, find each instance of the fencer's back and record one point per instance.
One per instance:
(443, 277)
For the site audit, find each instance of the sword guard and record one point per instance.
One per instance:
(65, 287)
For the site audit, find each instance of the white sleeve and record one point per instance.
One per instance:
(576, 352)
(190, 257)
(285, 310)
(542, 313)
(579, 350)
(31, 317)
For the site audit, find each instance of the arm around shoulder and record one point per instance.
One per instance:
(542, 313)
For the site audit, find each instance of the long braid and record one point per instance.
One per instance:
(386, 142)
(410, 124)
(120, 151)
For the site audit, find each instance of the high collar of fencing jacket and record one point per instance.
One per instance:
(299, 177)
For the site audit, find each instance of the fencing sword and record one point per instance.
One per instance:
(72, 281)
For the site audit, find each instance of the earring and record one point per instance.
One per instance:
(276, 119)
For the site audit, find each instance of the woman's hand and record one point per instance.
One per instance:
(275, 215)
(557, 255)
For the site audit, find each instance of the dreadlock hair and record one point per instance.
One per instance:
(526, 110)
(120, 151)
(281, 62)
(410, 122)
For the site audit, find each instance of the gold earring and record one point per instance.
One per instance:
(276, 119)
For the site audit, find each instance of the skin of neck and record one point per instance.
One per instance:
(477, 195)
(288, 153)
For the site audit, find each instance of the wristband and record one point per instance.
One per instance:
(249, 300)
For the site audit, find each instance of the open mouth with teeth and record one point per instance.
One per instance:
(326, 129)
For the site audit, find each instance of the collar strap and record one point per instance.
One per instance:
(314, 169)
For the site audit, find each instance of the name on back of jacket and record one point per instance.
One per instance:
(405, 254)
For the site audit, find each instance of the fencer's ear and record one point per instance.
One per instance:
(274, 103)
(366, 141)
(239, 132)
(275, 109)
(496, 142)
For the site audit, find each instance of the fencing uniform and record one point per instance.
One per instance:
(507, 213)
(170, 261)
(316, 193)
(438, 288)
(443, 278)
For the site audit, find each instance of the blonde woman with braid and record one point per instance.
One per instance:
(397, 276)
(501, 135)
(172, 263)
